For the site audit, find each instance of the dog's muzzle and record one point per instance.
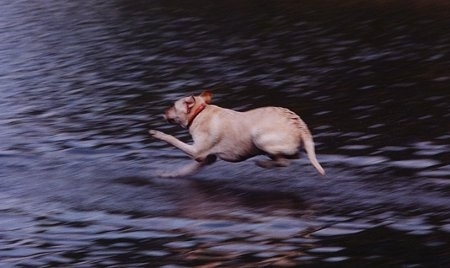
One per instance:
(171, 120)
(168, 118)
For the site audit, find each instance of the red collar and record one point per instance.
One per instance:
(196, 112)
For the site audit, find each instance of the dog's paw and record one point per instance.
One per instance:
(280, 162)
(265, 164)
(156, 134)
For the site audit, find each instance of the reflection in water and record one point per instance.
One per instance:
(82, 83)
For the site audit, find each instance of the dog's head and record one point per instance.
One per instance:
(186, 109)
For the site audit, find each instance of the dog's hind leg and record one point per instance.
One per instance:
(277, 161)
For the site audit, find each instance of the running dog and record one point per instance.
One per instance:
(236, 136)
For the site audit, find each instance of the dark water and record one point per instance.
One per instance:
(81, 82)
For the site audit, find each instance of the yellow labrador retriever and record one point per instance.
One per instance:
(235, 136)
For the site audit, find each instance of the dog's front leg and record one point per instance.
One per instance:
(190, 168)
(201, 157)
(188, 149)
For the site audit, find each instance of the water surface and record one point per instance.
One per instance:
(82, 82)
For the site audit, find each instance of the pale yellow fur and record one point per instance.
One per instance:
(235, 136)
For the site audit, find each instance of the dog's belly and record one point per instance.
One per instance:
(237, 153)
(233, 157)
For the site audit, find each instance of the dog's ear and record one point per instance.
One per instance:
(189, 102)
(206, 96)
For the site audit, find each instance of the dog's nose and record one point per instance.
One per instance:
(170, 120)
(168, 117)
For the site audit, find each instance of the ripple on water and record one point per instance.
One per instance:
(355, 161)
(355, 147)
(212, 238)
(156, 253)
(414, 163)
(181, 244)
(436, 173)
(446, 228)
(414, 226)
(336, 259)
(9, 223)
(21, 252)
(326, 249)
(281, 228)
(135, 234)
(241, 248)
(335, 231)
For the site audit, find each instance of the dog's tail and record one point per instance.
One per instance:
(309, 147)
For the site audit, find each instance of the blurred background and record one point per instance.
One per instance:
(81, 82)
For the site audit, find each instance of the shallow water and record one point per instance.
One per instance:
(81, 83)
